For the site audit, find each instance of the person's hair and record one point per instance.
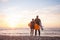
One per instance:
(37, 16)
(32, 19)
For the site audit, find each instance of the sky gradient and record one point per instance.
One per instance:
(18, 13)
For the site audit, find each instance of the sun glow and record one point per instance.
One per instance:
(13, 20)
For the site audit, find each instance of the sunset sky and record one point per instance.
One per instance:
(18, 13)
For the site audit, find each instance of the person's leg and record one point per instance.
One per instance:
(39, 32)
(32, 32)
(35, 32)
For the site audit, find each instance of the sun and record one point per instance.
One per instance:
(13, 20)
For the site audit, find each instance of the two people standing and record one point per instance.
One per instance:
(35, 25)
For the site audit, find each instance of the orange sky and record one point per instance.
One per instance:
(17, 21)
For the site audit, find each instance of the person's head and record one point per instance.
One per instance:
(37, 16)
(32, 19)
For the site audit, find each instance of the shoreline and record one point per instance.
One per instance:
(4, 37)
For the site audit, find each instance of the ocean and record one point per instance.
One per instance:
(26, 32)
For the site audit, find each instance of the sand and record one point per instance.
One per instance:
(28, 38)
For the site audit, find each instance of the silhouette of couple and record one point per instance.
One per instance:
(35, 24)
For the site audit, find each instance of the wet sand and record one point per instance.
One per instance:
(28, 38)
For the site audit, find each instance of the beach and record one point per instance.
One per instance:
(4, 37)
(23, 34)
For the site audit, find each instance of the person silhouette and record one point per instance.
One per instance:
(31, 24)
(37, 25)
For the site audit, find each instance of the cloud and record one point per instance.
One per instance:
(46, 10)
(3, 1)
(49, 10)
